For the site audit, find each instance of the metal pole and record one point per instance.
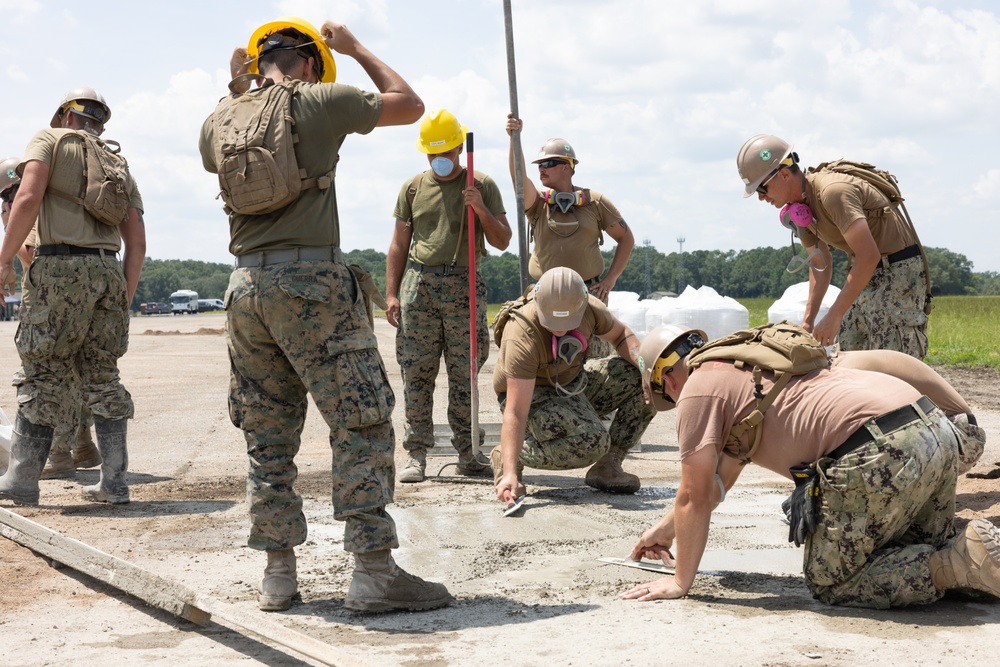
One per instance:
(522, 235)
(473, 320)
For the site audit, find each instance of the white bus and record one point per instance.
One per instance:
(184, 301)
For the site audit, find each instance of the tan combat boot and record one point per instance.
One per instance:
(85, 454)
(607, 474)
(971, 561)
(381, 585)
(59, 466)
(280, 583)
(415, 466)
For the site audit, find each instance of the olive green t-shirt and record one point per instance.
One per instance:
(839, 200)
(573, 238)
(439, 217)
(60, 220)
(324, 114)
(525, 355)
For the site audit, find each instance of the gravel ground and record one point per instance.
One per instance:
(528, 589)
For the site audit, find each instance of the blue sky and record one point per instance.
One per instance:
(656, 97)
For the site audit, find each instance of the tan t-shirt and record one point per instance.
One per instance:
(525, 355)
(838, 200)
(324, 113)
(60, 220)
(909, 369)
(811, 416)
(573, 238)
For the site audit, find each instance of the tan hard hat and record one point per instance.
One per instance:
(654, 357)
(98, 109)
(760, 156)
(8, 173)
(556, 148)
(560, 299)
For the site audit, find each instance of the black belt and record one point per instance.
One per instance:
(888, 422)
(308, 254)
(593, 281)
(905, 253)
(67, 249)
(444, 269)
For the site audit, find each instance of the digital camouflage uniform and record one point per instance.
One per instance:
(888, 314)
(299, 326)
(565, 432)
(885, 508)
(74, 320)
(434, 307)
(434, 320)
(74, 309)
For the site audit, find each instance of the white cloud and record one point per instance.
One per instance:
(655, 97)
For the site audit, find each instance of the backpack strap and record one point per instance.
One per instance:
(55, 148)
(751, 423)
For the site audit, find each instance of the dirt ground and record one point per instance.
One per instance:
(529, 590)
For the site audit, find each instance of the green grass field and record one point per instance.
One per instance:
(963, 330)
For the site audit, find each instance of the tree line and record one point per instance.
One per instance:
(759, 272)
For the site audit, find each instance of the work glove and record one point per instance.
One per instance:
(804, 504)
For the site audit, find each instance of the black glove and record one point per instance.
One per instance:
(804, 504)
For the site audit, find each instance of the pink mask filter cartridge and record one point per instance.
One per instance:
(795, 215)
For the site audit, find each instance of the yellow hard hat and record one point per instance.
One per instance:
(328, 67)
(440, 131)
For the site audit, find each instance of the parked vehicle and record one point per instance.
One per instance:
(184, 301)
(205, 305)
(154, 308)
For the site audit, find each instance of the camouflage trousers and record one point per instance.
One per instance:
(565, 432)
(971, 441)
(296, 329)
(64, 434)
(434, 320)
(889, 312)
(74, 324)
(885, 508)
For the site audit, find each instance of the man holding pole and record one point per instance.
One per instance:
(429, 301)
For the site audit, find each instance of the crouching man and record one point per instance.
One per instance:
(875, 461)
(552, 399)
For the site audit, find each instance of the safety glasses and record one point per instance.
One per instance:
(762, 188)
(548, 164)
